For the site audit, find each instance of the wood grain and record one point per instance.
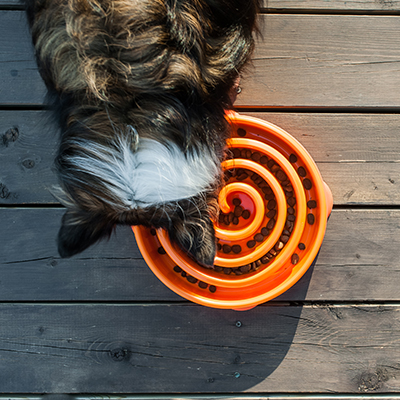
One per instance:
(358, 261)
(331, 5)
(303, 61)
(357, 154)
(102, 348)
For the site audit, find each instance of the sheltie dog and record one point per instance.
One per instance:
(139, 89)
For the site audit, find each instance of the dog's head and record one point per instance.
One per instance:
(138, 181)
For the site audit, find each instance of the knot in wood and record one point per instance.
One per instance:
(118, 354)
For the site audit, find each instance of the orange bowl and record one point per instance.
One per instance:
(274, 210)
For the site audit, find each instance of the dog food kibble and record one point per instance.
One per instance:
(310, 219)
(311, 204)
(307, 184)
(264, 259)
(264, 231)
(285, 238)
(245, 268)
(295, 258)
(301, 246)
(290, 210)
(246, 214)
(235, 220)
(293, 158)
(291, 201)
(236, 152)
(203, 285)
(302, 172)
(271, 224)
(238, 211)
(251, 244)
(226, 248)
(259, 237)
(227, 271)
(281, 175)
(241, 132)
(184, 274)
(242, 176)
(264, 160)
(271, 213)
(177, 269)
(236, 201)
(218, 268)
(212, 289)
(161, 250)
(236, 248)
(256, 157)
(191, 279)
(271, 204)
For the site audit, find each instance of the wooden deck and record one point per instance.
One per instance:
(100, 325)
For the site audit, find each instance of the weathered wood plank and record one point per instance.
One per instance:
(304, 60)
(358, 261)
(170, 349)
(358, 154)
(331, 5)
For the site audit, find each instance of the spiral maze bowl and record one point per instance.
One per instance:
(274, 210)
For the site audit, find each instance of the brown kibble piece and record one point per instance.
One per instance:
(293, 158)
(191, 279)
(264, 160)
(251, 244)
(227, 271)
(301, 246)
(246, 214)
(235, 221)
(212, 289)
(284, 238)
(281, 175)
(226, 248)
(290, 210)
(271, 204)
(271, 224)
(242, 176)
(291, 218)
(264, 231)
(161, 250)
(236, 248)
(311, 204)
(259, 237)
(264, 259)
(238, 211)
(302, 172)
(245, 268)
(271, 213)
(203, 285)
(307, 184)
(236, 201)
(236, 152)
(177, 269)
(241, 132)
(295, 258)
(291, 201)
(310, 219)
(255, 156)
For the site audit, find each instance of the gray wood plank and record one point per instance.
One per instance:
(304, 61)
(357, 154)
(191, 349)
(358, 261)
(331, 5)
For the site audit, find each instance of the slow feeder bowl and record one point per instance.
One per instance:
(274, 210)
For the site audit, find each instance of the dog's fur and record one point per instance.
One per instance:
(140, 88)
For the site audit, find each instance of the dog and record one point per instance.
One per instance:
(140, 90)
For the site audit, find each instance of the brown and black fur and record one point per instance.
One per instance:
(159, 69)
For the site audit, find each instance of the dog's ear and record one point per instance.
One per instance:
(79, 230)
(196, 238)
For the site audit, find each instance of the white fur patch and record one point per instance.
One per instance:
(153, 174)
